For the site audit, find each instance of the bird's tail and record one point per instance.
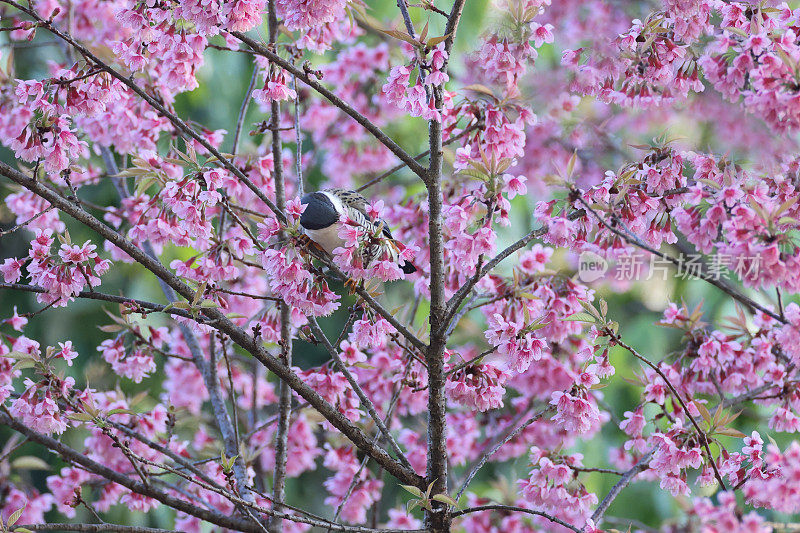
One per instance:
(408, 268)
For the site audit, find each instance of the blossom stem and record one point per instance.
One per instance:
(702, 434)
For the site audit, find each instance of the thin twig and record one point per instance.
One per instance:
(702, 434)
(626, 478)
(499, 444)
(243, 111)
(514, 508)
(25, 223)
(362, 396)
(469, 129)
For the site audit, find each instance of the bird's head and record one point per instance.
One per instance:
(320, 211)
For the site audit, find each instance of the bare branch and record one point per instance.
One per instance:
(627, 477)
(499, 444)
(362, 396)
(514, 508)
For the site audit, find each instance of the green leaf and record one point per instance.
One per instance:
(403, 36)
(473, 173)
(15, 354)
(528, 296)
(737, 31)
(571, 163)
(413, 490)
(24, 363)
(444, 498)
(119, 411)
(29, 462)
(80, 417)
(580, 317)
(15, 516)
(143, 185)
(730, 432)
(433, 41)
(198, 295)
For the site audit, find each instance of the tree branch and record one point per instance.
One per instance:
(179, 124)
(626, 478)
(223, 324)
(73, 456)
(437, 519)
(91, 295)
(499, 444)
(91, 528)
(663, 376)
(376, 132)
(231, 522)
(362, 396)
(514, 508)
(635, 241)
(285, 393)
(206, 369)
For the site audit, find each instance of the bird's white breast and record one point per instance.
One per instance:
(328, 237)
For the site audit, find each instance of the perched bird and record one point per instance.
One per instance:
(321, 223)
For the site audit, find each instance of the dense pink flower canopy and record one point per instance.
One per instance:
(493, 389)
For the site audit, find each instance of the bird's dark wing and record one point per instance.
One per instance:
(351, 199)
(355, 201)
